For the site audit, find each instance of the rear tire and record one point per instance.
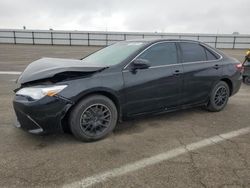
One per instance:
(246, 80)
(93, 118)
(219, 97)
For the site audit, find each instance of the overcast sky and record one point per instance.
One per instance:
(186, 16)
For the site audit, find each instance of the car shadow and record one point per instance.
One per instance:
(132, 126)
(142, 123)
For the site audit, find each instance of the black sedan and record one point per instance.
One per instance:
(124, 80)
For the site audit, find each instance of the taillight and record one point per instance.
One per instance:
(240, 67)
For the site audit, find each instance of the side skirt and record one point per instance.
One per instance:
(163, 111)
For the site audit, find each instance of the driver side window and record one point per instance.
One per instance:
(161, 54)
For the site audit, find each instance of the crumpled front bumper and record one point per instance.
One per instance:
(41, 116)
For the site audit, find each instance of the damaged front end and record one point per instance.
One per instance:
(39, 105)
(57, 69)
(44, 116)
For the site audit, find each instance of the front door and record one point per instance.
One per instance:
(158, 87)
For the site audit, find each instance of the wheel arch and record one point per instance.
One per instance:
(229, 83)
(105, 92)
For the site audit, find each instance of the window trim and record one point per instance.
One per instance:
(162, 65)
(160, 42)
(179, 53)
(204, 48)
(212, 53)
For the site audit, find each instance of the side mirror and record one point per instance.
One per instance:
(140, 64)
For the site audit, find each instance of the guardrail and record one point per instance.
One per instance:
(52, 37)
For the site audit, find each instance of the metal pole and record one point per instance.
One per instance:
(216, 41)
(33, 40)
(51, 37)
(106, 39)
(70, 39)
(14, 34)
(88, 39)
(234, 42)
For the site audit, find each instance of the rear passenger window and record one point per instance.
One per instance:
(161, 54)
(210, 55)
(192, 52)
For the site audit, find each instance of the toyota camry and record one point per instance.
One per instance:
(124, 80)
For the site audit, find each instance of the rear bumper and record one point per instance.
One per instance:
(236, 86)
(42, 116)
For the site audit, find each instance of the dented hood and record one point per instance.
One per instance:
(49, 67)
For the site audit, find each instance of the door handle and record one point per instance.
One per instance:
(177, 72)
(216, 66)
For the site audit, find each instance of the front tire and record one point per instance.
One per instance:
(219, 97)
(93, 118)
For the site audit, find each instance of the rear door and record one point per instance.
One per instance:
(202, 69)
(157, 87)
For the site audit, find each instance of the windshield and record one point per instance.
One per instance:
(114, 54)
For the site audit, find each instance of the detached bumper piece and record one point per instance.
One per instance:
(42, 116)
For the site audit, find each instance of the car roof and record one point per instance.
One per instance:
(153, 40)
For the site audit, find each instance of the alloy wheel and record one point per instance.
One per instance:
(95, 119)
(221, 96)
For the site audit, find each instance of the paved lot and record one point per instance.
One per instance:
(56, 160)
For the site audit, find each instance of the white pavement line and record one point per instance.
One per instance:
(10, 72)
(131, 167)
